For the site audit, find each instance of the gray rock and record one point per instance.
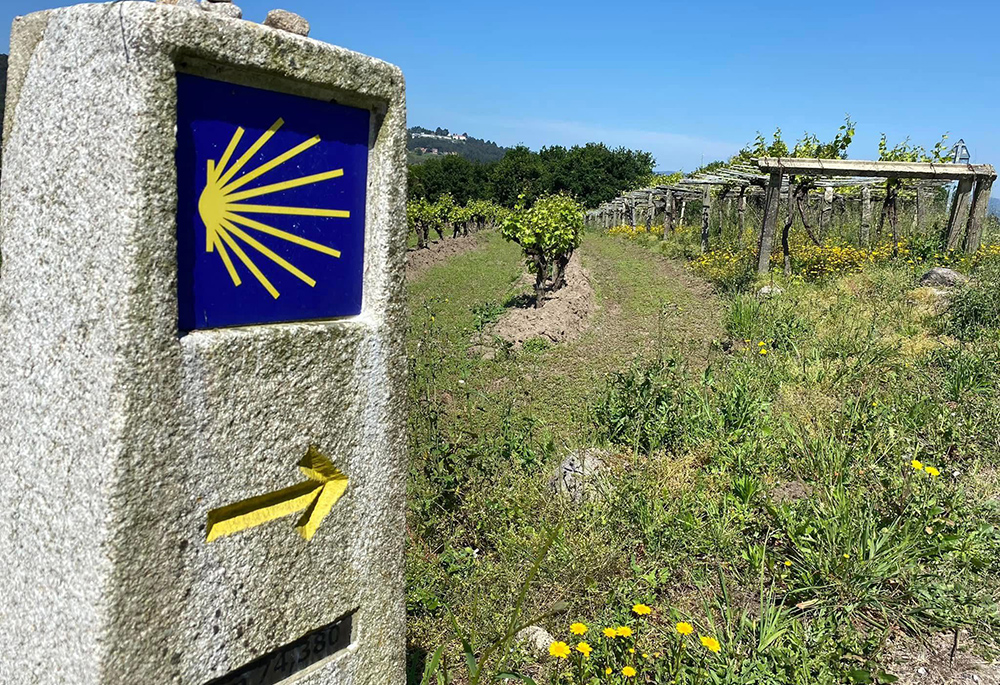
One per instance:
(283, 20)
(226, 9)
(576, 476)
(769, 291)
(179, 3)
(940, 276)
(536, 640)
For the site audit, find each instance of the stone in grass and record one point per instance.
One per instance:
(536, 640)
(575, 476)
(284, 20)
(226, 9)
(769, 291)
(942, 277)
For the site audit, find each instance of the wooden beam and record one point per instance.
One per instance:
(977, 215)
(706, 208)
(741, 211)
(668, 213)
(959, 212)
(771, 202)
(853, 167)
(866, 216)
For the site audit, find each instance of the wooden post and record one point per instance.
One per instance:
(919, 210)
(668, 213)
(630, 208)
(706, 208)
(649, 212)
(977, 215)
(770, 223)
(959, 213)
(684, 206)
(866, 215)
(741, 210)
(826, 214)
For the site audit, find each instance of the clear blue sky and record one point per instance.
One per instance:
(688, 81)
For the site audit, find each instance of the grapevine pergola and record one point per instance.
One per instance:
(768, 180)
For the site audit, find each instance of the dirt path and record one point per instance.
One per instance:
(563, 316)
(419, 261)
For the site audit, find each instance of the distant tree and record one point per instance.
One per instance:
(519, 175)
(591, 173)
(548, 233)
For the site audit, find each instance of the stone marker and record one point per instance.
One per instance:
(202, 448)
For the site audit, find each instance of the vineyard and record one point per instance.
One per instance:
(736, 473)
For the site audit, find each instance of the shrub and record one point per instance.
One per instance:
(645, 407)
(975, 308)
(548, 233)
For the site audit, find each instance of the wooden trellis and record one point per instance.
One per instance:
(974, 181)
(769, 181)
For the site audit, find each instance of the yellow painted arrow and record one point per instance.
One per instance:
(315, 497)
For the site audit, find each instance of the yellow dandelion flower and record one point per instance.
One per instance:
(684, 628)
(623, 631)
(917, 465)
(710, 643)
(847, 556)
(608, 671)
(931, 471)
(578, 629)
(641, 609)
(788, 562)
(631, 650)
(628, 672)
(763, 351)
(610, 632)
(584, 649)
(560, 650)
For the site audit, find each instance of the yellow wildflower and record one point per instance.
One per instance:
(684, 628)
(917, 465)
(584, 649)
(710, 643)
(559, 650)
(623, 631)
(641, 609)
(578, 629)
(788, 562)
(631, 650)
(607, 671)
(610, 632)
(847, 556)
(931, 471)
(628, 672)
(763, 351)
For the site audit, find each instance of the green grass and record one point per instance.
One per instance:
(760, 483)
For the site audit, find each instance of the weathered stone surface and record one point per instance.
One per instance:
(576, 476)
(942, 277)
(117, 436)
(287, 21)
(226, 9)
(536, 640)
(769, 291)
(3, 99)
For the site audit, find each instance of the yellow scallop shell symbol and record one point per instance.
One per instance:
(222, 208)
